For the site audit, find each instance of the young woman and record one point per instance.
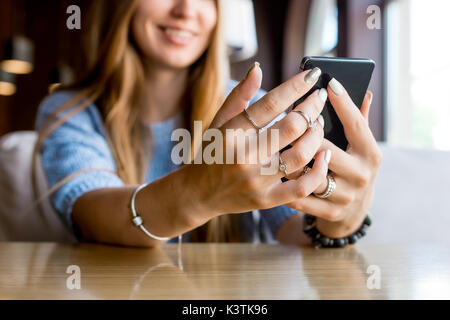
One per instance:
(155, 66)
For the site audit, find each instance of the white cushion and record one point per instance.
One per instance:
(17, 221)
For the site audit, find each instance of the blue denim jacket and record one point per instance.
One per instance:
(80, 143)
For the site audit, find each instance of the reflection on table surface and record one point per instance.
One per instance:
(224, 271)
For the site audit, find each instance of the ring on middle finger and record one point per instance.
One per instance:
(307, 118)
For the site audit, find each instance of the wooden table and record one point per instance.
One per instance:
(223, 271)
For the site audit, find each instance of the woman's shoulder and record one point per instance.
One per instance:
(231, 84)
(59, 96)
(50, 104)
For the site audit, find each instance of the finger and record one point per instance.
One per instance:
(355, 126)
(302, 187)
(294, 125)
(343, 163)
(304, 148)
(343, 192)
(321, 208)
(277, 100)
(296, 174)
(365, 107)
(324, 185)
(240, 96)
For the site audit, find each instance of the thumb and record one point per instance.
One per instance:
(240, 97)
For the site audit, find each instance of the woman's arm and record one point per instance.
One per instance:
(165, 205)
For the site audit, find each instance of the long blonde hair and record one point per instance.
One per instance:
(112, 81)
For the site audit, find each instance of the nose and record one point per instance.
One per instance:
(184, 8)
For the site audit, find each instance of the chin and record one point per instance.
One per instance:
(178, 60)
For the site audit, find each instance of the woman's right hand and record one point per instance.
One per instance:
(235, 188)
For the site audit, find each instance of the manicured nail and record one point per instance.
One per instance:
(321, 121)
(313, 75)
(328, 156)
(336, 86)
(323, 95)
(254, 65)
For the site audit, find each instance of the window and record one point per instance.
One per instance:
(322, 29)
(417, 70)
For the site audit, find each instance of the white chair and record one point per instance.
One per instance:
(17, 221)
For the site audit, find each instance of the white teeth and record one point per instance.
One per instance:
(179, 33)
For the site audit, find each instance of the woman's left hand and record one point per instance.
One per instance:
(354, 170)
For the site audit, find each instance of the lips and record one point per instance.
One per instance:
(176, 35)
(183, 34)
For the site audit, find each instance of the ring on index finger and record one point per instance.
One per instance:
(247, 115)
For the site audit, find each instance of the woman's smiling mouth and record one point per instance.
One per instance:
(177, 36)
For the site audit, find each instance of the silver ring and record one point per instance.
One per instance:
(330, 188)
(282, 166)
(309, 122)
(251, 120)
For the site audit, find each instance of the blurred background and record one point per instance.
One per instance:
(410, 107)
(410, 114)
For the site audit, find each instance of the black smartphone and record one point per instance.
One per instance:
(354, 74)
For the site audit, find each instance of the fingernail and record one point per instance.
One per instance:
(323, 95)
(336, 86)
(328, 156)
(254, 65)
(313, 75)
(370, 96)
(321, 121)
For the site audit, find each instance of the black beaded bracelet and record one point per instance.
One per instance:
(321, 241)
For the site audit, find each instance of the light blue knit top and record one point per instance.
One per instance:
(80, 143)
